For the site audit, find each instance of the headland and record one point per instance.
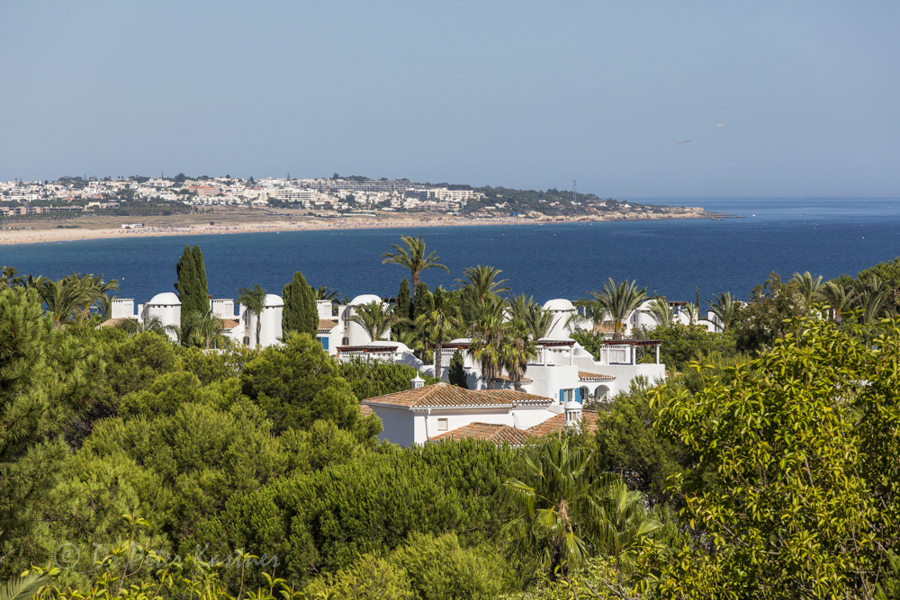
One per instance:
(236, 220)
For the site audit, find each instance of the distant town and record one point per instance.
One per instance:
(334, 196)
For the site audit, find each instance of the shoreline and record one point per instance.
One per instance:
(277, 223)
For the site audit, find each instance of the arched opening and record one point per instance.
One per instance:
(601, 394)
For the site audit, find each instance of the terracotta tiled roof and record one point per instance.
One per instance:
(557, 423)
(230, 323)
(490, 432)
(366, 410)
(326, 325)
(588, 376)
(450, 396)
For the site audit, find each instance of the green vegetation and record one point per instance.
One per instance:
(300, 314)
(192, 285)
(764, 467)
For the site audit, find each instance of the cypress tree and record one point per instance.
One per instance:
(191, 284)
(300, 313)
(423, 301)
(200, 266)
(403, 308)
(457, 372)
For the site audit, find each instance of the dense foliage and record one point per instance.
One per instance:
(764, 467)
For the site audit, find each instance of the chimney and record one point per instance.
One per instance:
(573, 413)
(416, 382)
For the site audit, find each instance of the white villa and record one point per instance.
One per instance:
(557, 381)
(563, 369)
(643, 318)
(443, 411)
(240, 327)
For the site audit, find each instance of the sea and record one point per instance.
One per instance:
(678, 259)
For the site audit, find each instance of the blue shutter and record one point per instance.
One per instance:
(324, 341)
(562, 396)
(578, 398)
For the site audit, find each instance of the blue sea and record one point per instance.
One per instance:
(827, 237)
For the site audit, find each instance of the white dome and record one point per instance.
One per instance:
(273, 300)
(461, 341)
(558, 305)
(365, 299)
(166, 298)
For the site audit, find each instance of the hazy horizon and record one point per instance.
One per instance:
(694, 100)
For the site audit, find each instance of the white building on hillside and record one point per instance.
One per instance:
(443, 411)
(238, 327)
(565, 371)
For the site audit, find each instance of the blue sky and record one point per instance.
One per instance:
(516, 94)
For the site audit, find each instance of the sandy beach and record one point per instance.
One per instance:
(228, 221)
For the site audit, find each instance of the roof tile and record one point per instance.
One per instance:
(491, 432)
(446, 395)
(557, 423)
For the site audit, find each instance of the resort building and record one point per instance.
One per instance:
(442, 411)
(164, 311)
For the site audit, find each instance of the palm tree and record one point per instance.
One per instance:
(62, 299)
(487, 337)
(693, 313)
(837, 297)
(518, 306)
(93, 291)
(725, 307)
(871, 297)
(662, 312)
(439, 323)
(413, 258)
(202, 327)
(590, 313)
(625, 524)
(516, 349)
(618, 301)
(483, 281)
(375, 317)
(10, 277)
(255, 300)
(22, 588)
(563, 517)
(536, 320)
(151, 324)
(808, 285)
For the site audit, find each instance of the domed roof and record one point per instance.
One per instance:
(166, 298)
(558, 304)
(273, 300)
(365, 299)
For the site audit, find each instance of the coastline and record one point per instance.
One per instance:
(279, 223)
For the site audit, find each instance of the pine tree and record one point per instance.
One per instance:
(48, 380)
(191, 284)
(300, 313)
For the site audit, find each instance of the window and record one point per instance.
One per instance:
(442, 425)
